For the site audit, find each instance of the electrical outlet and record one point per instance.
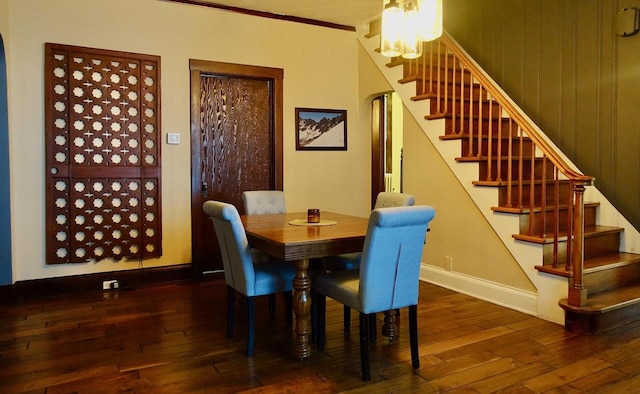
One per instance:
(110, 284)
(448, 263)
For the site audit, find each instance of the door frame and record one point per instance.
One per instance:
(378, 125)
(198, 68)
(6, 277)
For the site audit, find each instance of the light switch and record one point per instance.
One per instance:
(173, 138)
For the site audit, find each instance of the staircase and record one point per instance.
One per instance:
(533, 181)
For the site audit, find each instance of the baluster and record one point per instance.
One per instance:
(571, 217)
(556, 216)
(490, 139)
(446, 81)
(520, 136)
(543, 206)
(453, 94)
(532, 188)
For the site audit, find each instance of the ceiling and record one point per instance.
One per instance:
(342, 12)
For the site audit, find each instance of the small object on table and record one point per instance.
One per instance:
(313, 215)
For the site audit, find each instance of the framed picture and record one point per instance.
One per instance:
(321, 129)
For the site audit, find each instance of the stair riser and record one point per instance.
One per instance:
(591, 324)
(608, 279)
(549, 223)
(469, 148)
(460, 125)
(457, 108)
(595, 246)
(450, 90)
(550, 195)
(495, 172)
(433, 76)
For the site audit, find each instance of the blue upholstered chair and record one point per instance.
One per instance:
(350, 261)
(240, 272)
(387, 278)
(263, 202)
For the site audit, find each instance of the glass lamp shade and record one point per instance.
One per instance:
(391, 37)
(431, 17)
(412, 39)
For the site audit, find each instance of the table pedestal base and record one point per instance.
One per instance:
(302, 308)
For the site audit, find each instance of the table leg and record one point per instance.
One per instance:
(302, 308)
(389, 327)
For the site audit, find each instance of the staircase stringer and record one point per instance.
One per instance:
(550, 288)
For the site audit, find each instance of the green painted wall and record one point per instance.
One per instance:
(561, 61)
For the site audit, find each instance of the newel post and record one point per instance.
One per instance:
(577, 291)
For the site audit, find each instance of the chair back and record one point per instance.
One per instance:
(234, 246)
(263, 202)
(390, 199)
(390, 268)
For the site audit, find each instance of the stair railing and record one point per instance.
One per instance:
(512, 153)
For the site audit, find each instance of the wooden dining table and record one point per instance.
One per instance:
(288, 237)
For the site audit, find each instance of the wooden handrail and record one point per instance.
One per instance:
(511, 110)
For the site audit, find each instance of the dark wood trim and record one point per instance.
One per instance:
(377, 147)
(264, 14)
(128, 280)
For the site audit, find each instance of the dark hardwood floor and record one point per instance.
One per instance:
(171, 339)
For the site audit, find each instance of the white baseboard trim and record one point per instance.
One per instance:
(509, 297)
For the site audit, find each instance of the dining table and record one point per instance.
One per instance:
(291, 237)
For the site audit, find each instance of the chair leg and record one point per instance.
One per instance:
(272, 306)
(346, 311)
(288, 304)
(413, 336)
(321, 308)
(373, 328)
(364, 347)
(251, 329)
(231, 310)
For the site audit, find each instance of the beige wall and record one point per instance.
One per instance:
(316, 74)
(563, 64)
(459, 229)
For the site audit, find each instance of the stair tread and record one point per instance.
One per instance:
(515, 182)
(465, 136)
(595, 264)
(588, 232)
(606, 301)
(526, 210)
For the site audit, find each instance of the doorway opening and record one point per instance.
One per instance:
(386, 144)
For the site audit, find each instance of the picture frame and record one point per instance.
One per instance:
(321, 129)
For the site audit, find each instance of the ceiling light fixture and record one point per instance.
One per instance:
(406, 27)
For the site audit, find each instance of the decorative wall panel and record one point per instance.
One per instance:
(102, 131)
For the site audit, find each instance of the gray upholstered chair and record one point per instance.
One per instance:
(240, 272)
(263, 202)
(387, 278)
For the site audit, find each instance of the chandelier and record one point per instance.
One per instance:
(405, 27)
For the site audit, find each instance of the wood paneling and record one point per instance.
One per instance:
(563, 64)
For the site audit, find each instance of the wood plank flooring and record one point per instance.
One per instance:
(171, 339)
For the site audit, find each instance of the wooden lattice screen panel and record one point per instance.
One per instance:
(102, 127)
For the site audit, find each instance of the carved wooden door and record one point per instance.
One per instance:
(236, 145)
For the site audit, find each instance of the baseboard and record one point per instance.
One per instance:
(127, 279)
(519, 300)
